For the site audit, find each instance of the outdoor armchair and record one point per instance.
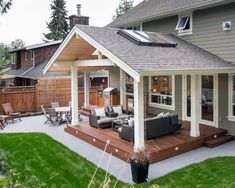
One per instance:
(9, 111)
(99, 119)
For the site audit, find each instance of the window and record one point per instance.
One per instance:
(13, 58)
(137, 28)
(162, 91)
(26, 56)
(231, 96)
(32, 55)
(184, 25)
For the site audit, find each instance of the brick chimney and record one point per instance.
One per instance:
(78, 19)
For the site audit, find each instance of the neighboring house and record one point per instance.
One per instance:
(206, 24)
(157, 63)
(27, 63)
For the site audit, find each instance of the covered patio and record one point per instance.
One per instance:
(94, 49)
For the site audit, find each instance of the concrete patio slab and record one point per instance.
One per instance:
(117, 168)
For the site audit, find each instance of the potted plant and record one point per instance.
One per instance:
(139, 166)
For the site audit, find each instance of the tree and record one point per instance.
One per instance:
(58, 25)
(5, 58)
(123, 7)
(16, 44)
(5, 5)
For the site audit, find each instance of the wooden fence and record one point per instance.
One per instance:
(21, 98)
(29, 99)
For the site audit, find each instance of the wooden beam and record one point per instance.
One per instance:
(86, 63)
(94, 63)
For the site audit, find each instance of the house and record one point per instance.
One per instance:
(208, 25)
(156, 63)
(27, 63)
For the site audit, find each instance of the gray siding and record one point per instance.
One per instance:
(207, 30)
(178, 98)
(223, 105)
(114, 77)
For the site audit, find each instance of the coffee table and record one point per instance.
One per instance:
(118, 123)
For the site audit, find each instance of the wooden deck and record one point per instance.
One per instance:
(159, 148)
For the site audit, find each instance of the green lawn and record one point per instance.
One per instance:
(36, 160)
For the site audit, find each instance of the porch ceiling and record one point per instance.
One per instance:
(76, 49)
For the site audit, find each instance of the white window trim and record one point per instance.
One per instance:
(32, 55)
(185, 32)
(137, 25)
(163, 106)
(13, 58)
(231, 117)
(26, 56)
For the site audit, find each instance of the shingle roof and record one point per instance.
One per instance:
(32, 72)
(147, 58)
(17, 72)
(149, 9)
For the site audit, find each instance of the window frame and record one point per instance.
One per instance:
(13, 58)
(231, 117)
(32, 55)
(163, 106)
(26, 55)
(134, 27)
(189, 31)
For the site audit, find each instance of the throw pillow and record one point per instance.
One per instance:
(100, 112)
(117, 109)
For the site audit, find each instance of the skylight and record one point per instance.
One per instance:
(146, 38)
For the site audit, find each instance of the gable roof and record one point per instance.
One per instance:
(154, 9)
(143, 59)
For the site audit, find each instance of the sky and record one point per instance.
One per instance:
(27, 19)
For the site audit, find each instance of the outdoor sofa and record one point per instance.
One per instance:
(100, 119)
(103, 117)
(154, 127)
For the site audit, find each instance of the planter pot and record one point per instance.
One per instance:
(139, 171)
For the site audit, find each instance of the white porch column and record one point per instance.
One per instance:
(195, 105)
(139, 115)
(123, 88)
(74, 94)
(86, 89)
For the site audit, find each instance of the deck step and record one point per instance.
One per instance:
(219, 141)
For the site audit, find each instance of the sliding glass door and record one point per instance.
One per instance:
(208, 89)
